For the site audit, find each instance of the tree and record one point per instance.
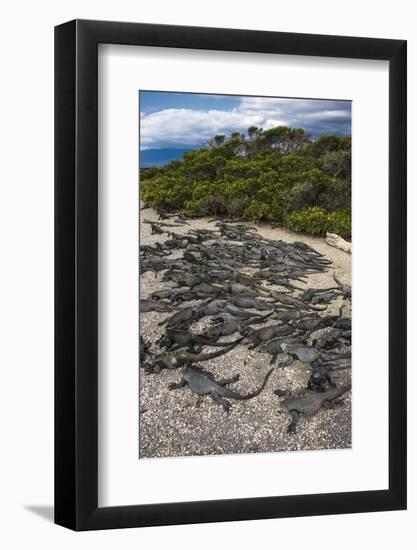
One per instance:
(236, 136)
(328, 144)
(284, 140)
(252, 130)
(337, 164)
(217, 140)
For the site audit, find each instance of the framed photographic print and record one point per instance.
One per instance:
(230, 275)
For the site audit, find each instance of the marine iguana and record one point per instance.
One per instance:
(282, 281)
(250, 303)
(177, 359)
(155, 229)
(206, 289)
(243, 290)
(227, 309)
(177, 338)
(325, 297)
(314, 323)
(188, 296)
(161, 294)
(266, 334)
(144, 347)
(190, 258)
(345, 323)
(310, 402)
(310, 293)
(181, 220)
(182, 279)
(291, 315)
(328, 339)
(226, 328)
(157, 250)
(164, 215)
(154, 305)
(306, 354)
(202, 382)
(273, 347)
(246, 280)
(291, 301)
(184, 317)
(230, 325)
(320, 377)
(307, 248)
(161, 224)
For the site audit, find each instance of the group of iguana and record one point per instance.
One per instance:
(251, 289)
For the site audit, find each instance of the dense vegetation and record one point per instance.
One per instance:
(278, 175)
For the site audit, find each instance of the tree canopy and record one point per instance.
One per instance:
(279, 175)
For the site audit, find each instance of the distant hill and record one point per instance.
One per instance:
(159, 157)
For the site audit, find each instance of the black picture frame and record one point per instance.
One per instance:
(76, 272)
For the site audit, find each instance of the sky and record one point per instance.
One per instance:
(187, 120)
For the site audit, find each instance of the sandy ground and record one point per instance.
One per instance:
(179, 423)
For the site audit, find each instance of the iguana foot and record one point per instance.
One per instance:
(177, 385)
(295, 416)
(286, 363)
(218, 399)
(152, 369)
(226, 408)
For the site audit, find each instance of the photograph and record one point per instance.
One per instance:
(190, 198)
(245, 274)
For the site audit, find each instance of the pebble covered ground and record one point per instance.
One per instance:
(180, 423)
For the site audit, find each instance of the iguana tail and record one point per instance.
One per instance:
(207, 342)
(197, 357)
(315, 308)
(336, 356)
(234, 395)
(337, 280)
(337, 392)
(261, 318)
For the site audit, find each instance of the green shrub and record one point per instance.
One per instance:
(259, 210)
(340, 222)
(308, 220)
(317, 221)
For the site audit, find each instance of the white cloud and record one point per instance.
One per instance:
(179, 127)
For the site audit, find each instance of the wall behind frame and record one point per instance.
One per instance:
(26, 219)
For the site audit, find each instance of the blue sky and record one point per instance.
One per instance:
(185, 120)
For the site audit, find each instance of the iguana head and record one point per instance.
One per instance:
(284, 347)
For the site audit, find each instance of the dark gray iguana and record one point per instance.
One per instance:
(154, 305)
(202, 382)
(144, 347)
(175, 338)
(265, 334)
(177, 359)
(310, 402)
(320, 377)
(306, 354)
